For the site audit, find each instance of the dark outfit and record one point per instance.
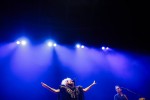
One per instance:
(120, 97)
(71, 93)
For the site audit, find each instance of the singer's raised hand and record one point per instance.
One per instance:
(94, 82)
(44, 85)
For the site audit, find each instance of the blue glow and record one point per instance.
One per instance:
(24, 69)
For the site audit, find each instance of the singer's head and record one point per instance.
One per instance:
(67, 81)
(118, 89)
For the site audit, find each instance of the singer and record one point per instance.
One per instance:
(119, 95)
(68, 90)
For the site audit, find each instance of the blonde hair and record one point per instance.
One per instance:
(117, 86)
(64, 81)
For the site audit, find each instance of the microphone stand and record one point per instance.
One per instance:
(128, 90)
(135, 94)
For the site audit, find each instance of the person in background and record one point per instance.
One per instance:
(119, 95)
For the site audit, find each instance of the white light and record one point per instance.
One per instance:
(103, 48)
(78, 45)
(82, 46)
(18, 42)
(50, 44)
(54, 44)
(23, 42)
(107, 48)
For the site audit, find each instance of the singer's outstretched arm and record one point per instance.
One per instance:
(87, 88)
(50, 88)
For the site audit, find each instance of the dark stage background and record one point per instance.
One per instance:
(121, 25)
